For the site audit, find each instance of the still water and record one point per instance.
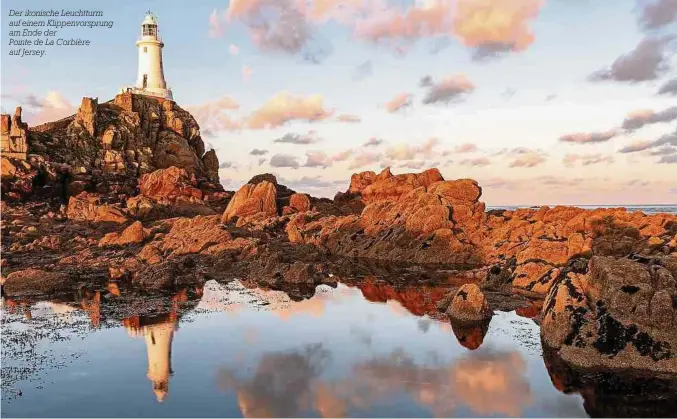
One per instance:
(239, 352)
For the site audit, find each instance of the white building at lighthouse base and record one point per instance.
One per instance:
(161, 93)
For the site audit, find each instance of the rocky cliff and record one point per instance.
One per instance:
(105, 148)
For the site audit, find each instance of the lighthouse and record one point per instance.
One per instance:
(150, 77)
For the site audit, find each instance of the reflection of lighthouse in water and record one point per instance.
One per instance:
(159, 347)
(158, 338)
(158, 331)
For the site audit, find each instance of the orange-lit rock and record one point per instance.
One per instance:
(252, 199)
(130, 235)
(299, 202)
(469, 305)
(88, 207)
(169, 184)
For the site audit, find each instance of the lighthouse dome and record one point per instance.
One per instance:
(150, 19)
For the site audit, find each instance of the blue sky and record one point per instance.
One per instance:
(509, 123)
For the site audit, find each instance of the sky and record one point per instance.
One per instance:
(541, 101)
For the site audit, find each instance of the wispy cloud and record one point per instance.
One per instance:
(447, 90)
(299, 139)
(589, 137)
(477, 161)
(668, 88)
(373, 142)
(410, 151)
(571, 160)
(349, 118)
(638, 119)
(285, 107)
(399, 102)
(284, 160)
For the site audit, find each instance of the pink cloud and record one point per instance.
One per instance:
(216, 29)
(637, 146)
(317, 159)
(274, 25)
(586, 159)
(528, 158)
(478, 161)
(446, 90)
(399, 102)
(409, 152)
(488, 26)
(648, 61)
(52, 107)
(421, 20)
(465, 148)
(213, 116)
(364, 159)
(348, 118)
(493, 26)
(637, 119)
(343, 155)
(589, 137)
(658, 13)
(285, 107)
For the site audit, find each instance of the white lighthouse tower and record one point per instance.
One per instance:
(151, 78)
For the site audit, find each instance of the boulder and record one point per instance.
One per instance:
(142, 207)
(457, 191)
(193, 235)
(469, 305)
(252, 199)
(300, 202)
(88, 207)
(359, 181)
(619, 314)
(34, 282)
(130, 235)
(8, 169)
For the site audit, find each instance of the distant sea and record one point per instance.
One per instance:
(647, 209)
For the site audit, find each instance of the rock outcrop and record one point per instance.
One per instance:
(406, 218)
(615, 313)
(105, 147)
(169, 184)
(132, 234)
(13, 136)
(253, 200)
(88, 207)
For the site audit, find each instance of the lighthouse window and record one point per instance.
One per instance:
(149, 30)
(145, 49)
